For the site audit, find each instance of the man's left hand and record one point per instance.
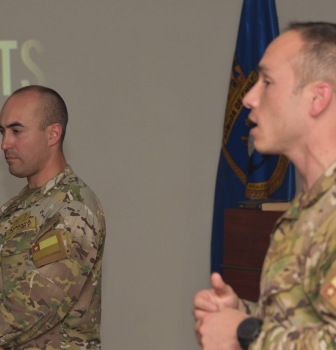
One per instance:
(218, 330)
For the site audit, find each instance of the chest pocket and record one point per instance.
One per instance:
(14, 255)
(281, 266)
(17, 234)
(282, 293)
(280, 275)
(20, 235)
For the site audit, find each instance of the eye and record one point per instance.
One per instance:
(16, 131)
(266, 82)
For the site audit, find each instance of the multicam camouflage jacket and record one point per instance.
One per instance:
(298, 284)
(51, 241)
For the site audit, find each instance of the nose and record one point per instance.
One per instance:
(6, 142)
(251, 99)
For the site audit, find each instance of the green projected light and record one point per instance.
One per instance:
(6, 46)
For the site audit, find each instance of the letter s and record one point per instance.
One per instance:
(29, 44)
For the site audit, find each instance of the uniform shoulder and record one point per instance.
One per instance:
(76, 190)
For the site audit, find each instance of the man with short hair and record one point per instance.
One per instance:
(293, 107)
(51, 234)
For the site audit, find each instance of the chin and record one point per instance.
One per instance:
(263, 149)
(268, 152)
(17, 173)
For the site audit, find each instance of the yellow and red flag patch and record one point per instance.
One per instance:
(45, 248)
(49, 249)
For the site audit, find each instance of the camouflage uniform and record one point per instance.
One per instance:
(51, 241)
(298, 284)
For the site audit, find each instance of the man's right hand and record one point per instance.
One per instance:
(218, 298)
(211, 300)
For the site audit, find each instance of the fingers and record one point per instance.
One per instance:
(197, 313)
(203, 301)
(218, 284)
(198, 324)
(225, 295)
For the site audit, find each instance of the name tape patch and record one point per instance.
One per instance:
(23, 223)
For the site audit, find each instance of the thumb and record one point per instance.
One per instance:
(218, 284)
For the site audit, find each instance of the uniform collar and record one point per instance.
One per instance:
(54, 181)
(306, 199)
(33, 196)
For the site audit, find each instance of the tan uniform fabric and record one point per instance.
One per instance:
(298, 283)
(51, 241)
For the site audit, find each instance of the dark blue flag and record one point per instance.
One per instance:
(244, 173)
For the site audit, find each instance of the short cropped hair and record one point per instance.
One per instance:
(52, 108)
(317, 57)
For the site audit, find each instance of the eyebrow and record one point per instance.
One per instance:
(261, 68)
(12, 125)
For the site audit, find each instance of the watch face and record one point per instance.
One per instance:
(248, 330)
(249, 327)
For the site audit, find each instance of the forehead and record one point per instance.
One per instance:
(20, 107)
(280, 52)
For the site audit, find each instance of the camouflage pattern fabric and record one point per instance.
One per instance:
(298, 284)
(51, 241)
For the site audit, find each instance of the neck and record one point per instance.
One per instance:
(312, 163)
(315, 147)
(54, 166)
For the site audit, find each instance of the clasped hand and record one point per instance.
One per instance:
(217, 316)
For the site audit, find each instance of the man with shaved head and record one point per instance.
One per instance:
(293, 107)
(51, 234)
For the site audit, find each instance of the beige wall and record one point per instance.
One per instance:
(146, 84)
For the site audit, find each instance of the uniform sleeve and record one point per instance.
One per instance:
(302, 314)
(275, 336)
(42, 280)
(248, 307)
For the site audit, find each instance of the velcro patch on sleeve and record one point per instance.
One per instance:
(328, 291)
(49, 249)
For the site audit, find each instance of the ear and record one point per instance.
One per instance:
(54, 134)
(322, 93)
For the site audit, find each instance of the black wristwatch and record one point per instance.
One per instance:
(248, 330)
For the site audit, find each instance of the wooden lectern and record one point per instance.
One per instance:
(246, 239)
